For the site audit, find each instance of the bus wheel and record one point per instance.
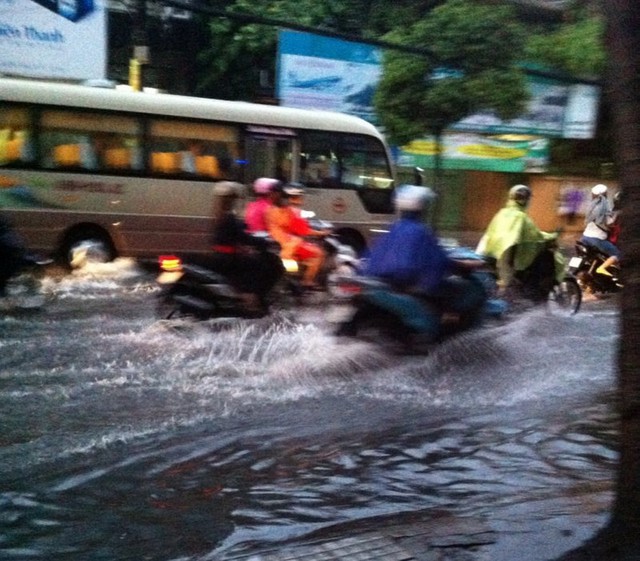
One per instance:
(87, 247)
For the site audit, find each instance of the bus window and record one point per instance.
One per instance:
(89, 141)
(15, 136)
(193, 149)
(319, 165)
(365, 167)
(269, 157)
(364, 163)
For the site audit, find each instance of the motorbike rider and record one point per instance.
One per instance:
(300, 225)
(255, 212)
(598, 221)
(614, 227)
(520, 249)
(239, 256)
(12, 253)
(410, 258)
(284, 227)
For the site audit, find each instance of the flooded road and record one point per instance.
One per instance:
(125, 437)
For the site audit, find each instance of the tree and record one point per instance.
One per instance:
(620, 539)
(473, 68)
(240, 54)
(576, 48)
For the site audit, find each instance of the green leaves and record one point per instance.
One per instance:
(475, 50)
(576, 48)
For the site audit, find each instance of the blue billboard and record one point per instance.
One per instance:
(325, 73)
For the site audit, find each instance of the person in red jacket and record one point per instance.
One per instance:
(289, 230)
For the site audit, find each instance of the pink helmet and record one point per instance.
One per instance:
(264, 185)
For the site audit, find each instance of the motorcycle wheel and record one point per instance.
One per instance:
(166, 308)
(173, 304)
(374, 325)
(566, 296)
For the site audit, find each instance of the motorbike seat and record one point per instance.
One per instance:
(590, 251)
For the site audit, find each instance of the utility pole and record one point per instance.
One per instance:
(140, 46)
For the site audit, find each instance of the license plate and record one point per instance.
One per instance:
(575, 262)
(169, 277)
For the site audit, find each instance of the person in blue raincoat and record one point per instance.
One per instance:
(409, 257)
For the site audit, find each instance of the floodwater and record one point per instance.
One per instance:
(125, 437)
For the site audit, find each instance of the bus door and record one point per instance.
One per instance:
(271, 152)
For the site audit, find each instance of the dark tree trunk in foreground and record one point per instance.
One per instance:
(620, 539)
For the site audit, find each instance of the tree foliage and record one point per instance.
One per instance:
(238, 52)
(474, 50)
(576, 48)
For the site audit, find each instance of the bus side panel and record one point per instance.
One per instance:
(143, 216)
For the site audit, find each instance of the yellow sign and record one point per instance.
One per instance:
(135, 73)
(425, 147)
(487, 151)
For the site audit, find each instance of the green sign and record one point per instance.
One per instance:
(503, 153)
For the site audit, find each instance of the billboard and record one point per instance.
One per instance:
(58, 39)
(556, 109)
(325, 73)
(502, 153)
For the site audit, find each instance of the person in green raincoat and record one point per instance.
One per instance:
(520, 248)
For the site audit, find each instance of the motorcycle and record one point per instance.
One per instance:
(411, 323)
(539, 284)
(190, 290)
(193, 290)
(584, 267)
(341, 260)
(24, 288)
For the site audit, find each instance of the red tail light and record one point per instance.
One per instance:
(352, 289)
(346, 289)
(170, 263)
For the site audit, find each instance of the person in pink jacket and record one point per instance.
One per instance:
(255, 212)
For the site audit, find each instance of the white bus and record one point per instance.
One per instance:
(130, 174)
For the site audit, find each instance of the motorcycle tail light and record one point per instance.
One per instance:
(170, 263)
(347, 289)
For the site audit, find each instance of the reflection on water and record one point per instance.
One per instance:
(130, 438)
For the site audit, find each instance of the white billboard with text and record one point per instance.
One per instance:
(58, 39)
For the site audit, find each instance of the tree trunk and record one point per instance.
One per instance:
(620, 539)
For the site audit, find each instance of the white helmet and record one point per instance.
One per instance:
(264, 185)
(413, 197)
(293, 189)
(599, 189)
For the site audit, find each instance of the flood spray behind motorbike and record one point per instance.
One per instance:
(22, 286)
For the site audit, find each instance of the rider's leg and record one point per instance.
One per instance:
(313, 257)
(602, 269)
